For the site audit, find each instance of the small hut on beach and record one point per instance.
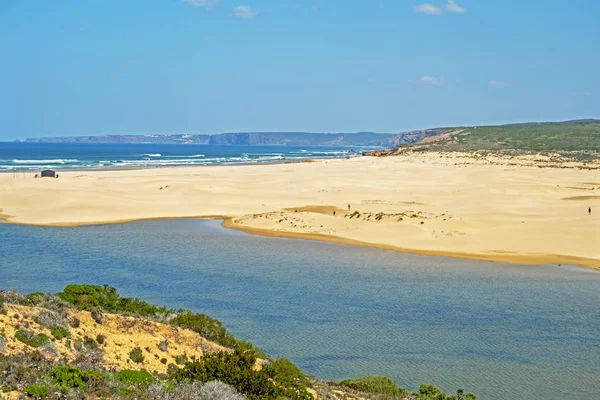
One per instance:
(48, 173)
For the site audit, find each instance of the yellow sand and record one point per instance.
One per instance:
(489, 208)
(122, 334)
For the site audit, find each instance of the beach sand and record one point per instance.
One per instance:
(488, 208)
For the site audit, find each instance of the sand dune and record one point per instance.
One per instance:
(474, 207)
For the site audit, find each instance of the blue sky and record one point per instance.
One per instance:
(85, 67)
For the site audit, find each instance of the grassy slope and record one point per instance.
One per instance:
(573, 136)
(86, 314)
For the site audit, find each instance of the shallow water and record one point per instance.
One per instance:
(501, 331)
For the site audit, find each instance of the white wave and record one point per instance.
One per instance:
(56, 161)
(153, 155)
(186, 156)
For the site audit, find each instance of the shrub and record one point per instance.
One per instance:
(209, 328)
(90, 343)
(131, 377)
(90, 297)
(235, 369)
(284, 372)
(74, 322)
(218, 391)
(181, 359)
(67, 377)
(100, 339)
(33, 299)
(163, 361)
(59, 332)
(163, 346)
(36, 391)
(97, 316)
(288, 378)
(430, 392)
(194, 391)
(31, 339)
(374, 385)
(48, 318)
(136, 355)
(2, 344)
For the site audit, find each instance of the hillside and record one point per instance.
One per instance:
(89, 342)
(579, 138)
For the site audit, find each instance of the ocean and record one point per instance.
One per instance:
(500, 331)
(24, 156)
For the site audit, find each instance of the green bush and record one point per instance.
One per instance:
(285, 373)
(136, 355)
(429, 392)
(36, 391)
(67, 377)
(235, 369)
(33, 299)
(131, 377)
(30, 339)
(59, 332)
(210, 329)
(181, 359)
(100, 339)
(92, 297)
(374, 385)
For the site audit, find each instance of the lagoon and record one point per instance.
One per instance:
(500, 331)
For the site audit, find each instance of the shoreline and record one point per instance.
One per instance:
(505, 258)
(431, 204)
(228, 223)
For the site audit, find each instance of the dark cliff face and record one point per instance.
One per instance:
(415, 136)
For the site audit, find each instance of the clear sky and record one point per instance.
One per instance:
(86, 67)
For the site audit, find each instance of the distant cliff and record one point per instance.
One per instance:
(167, 139)
(303, 139)
(240, 138)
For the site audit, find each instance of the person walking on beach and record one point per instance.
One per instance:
(590, 211)
(348, 207)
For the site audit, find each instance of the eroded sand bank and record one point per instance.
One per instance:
(488, 209)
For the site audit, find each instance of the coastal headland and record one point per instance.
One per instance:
(525, 210)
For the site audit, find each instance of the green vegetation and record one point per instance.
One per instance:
(428, 392)
(208, 328)
(67, 377)
(36, 391)
(136, 355)
(33, 299)
(375, 385)
(30, 339)
(60, 332)
(237, 370)
(100, 339)
(131, 377)
(106, 298)
(181, 359)
(230, 374)
(574, 136)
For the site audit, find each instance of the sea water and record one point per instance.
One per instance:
(500, 331)
(16, 156)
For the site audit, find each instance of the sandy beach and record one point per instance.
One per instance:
(496, 209)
